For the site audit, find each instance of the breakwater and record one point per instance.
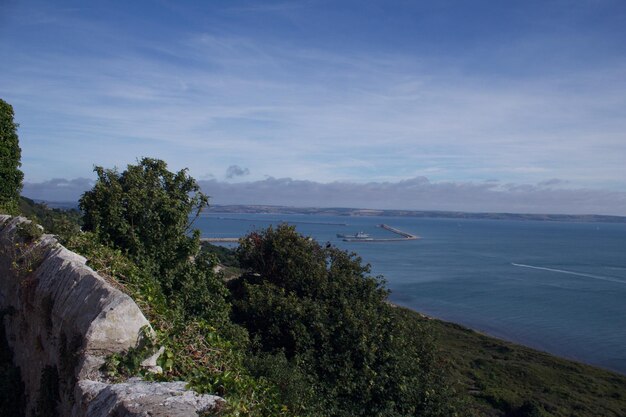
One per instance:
(403, 236)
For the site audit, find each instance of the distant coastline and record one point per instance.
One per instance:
(345, 211)
(338, 211)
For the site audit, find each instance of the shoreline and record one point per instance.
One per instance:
(500, 376)
(503, 339)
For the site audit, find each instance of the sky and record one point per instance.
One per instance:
(452, 105)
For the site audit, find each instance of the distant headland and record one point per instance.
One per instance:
(339, 211)
(346, 211)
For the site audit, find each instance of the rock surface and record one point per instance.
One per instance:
(140, 398)
(62, 320)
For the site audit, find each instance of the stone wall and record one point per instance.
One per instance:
(62, 320)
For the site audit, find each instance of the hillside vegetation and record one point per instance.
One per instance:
(302, 329)
(500, 378)
(279, 349)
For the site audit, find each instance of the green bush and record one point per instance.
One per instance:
(295, 389)
(145, 211)
(210, 358)
(319, 307)
(226, 256)
(62, 223)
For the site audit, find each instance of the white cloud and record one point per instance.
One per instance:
(284, 110)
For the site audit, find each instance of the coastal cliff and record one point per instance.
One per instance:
(61, 321)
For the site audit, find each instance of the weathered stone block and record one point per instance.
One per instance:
(62, 320)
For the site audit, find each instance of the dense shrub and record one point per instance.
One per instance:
(319, 308)
(138, 232)
(147, 212)
(210, 358)
(60, 222)
(227, 256)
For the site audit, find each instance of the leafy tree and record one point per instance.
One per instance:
(147, 212)
(319, 308)
(10, 154)
(138, 226)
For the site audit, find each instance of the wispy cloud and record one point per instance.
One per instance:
(209, 99)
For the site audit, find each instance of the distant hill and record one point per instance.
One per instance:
(336, 211)
(344, 211)
(63, 205)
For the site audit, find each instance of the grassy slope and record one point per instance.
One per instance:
(501, 376)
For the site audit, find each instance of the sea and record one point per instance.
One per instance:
(559, 287)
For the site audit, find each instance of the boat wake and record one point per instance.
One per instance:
(563, 271)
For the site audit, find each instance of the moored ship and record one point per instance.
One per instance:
(358, 236)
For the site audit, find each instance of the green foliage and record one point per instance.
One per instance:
(199, 291)
(61, 223)
(121, 366)
(145, 211)
(295, 389)
(10, 155)
(9, 207)
(207, 353)
(123, 273)
(23, 251)
(226, 256)
(318, 307)
(29, 231)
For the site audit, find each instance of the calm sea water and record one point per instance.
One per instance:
(559, 287)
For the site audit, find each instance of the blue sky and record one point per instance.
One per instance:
(500, 93)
